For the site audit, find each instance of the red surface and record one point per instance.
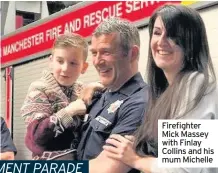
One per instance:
(123, 9)
(19, 21)
(8, 97)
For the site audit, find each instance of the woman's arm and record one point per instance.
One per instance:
(121, 148)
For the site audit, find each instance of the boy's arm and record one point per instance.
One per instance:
(43, 124)
(89, 90)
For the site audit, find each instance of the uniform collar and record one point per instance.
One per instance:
(133, 84)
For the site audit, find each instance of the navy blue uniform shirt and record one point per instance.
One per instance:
(6, 143)
(121, 112)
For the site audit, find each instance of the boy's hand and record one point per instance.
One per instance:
(77, 107)
(88, 91)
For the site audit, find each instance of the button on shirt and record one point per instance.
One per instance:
(119, 112)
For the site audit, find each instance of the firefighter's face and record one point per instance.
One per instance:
(67, 64)
(113, 68)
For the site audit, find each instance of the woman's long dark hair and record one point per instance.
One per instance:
(186, 28)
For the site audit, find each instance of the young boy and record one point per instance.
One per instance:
(51, 107)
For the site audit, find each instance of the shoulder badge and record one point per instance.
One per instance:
(114, 106)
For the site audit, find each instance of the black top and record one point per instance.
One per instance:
(6, 143)
(119, 112)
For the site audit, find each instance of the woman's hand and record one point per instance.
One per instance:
(88, 91)
(121, 148)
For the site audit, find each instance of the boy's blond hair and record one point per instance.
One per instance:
(71, 40)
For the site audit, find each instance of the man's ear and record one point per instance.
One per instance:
(84, 68)
(134, 53)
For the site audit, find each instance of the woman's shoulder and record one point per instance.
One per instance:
(196, 80)
(200, 92)
(191, 84)
(207, 107)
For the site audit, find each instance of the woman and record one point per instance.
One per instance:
(183, 85)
